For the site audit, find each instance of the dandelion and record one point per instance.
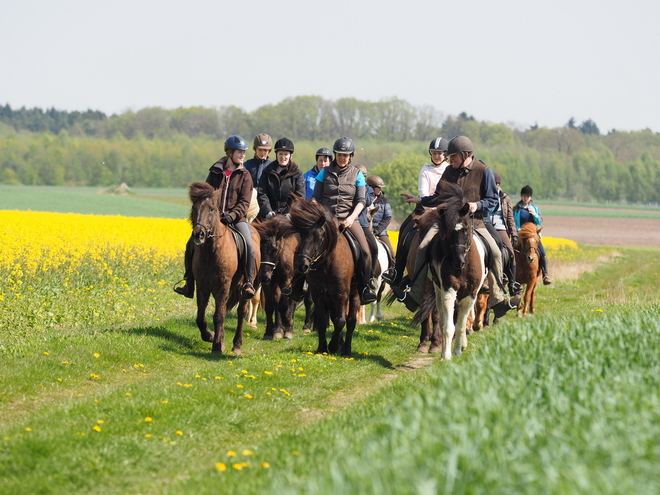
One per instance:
(148, 419)
(247, 452)
(46, 353)
(100, 421)
(244, 372)
(96, 428)
(147, 435)
(265, 465)
(221, 466)
(65, 362)
(96, 355)
(231, 453)
(59, 379)
(164, 401)
(239, 386)
(179, 432)
(93, 376)
(128, 394)
(237, 466)
(219, 378)
(295, 452)
(28, 429)
(247, 396)
(268, 372)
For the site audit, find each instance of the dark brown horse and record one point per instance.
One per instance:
(278, 249)
(528, 266)
(457, 267)
(216, 267)
(325, 258)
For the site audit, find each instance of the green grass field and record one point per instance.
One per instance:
(114, 392)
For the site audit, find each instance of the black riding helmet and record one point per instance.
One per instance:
(438, 144)
(235, 143)
(284, 144)
(344, 145)
(323, 152)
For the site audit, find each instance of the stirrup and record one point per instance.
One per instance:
(248, 290)
(186, 291)
(515, 288)
(367, 296)
(389, 275)
(546, 280)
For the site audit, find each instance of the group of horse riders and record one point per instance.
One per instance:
(334, 183)
(343, 189)
(494, 220)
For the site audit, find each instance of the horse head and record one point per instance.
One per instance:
(454, 222)
(204, 215)
(318, 232)
(271, 234)
(529, 241)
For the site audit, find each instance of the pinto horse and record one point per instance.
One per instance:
(528, 266)
(216, 267)
(457, 267)
(325, 257)
(278, 248)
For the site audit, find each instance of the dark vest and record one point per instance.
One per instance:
(470, 179)
(339, 189)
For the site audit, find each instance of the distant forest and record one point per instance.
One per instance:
(156, 147)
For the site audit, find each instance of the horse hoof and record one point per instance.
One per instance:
(207, 337)
(277, 335)
(268, 337)
(288, 335)
(237, 351)
(252, 325)
(423, 348)
(216, 349)
(434, 349)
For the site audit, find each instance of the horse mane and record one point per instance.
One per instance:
(450, 209)
(309, 215)
(277, 226)
(528, 230)
(199, 191)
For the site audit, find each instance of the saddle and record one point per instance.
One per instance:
(241, 245)
(354, 245)
(489, 252)
(390, 252)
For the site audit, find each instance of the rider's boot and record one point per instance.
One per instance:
(188, 290)
(514, 287)
(248, 286)
(544, 268)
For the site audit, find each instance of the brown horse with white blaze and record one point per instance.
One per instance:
(216, 267)
(325, 257)
(528, 265)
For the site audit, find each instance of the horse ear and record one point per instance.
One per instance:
(465, 210)
(538, 231)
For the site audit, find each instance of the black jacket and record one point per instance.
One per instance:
(275, 189)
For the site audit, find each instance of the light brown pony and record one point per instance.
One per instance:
(216, 267)
(528, 266)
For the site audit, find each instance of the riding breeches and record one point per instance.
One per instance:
(365, 260)
(495, 268)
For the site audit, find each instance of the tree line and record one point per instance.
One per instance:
(171, 148)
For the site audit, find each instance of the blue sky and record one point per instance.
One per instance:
(510, 61)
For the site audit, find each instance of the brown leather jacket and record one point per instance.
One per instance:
(236, 189)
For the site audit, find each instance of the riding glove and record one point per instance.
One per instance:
(226, 219)
(514, 241)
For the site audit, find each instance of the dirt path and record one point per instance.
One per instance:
(640, 232)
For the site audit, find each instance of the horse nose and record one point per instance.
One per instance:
(304, 268)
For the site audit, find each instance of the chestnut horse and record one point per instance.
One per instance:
(457, 267)
(278, 248)
(528, 266)
(216, 267)
(325, 257)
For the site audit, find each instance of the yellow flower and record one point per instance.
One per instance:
(221, 466)
(96, 428)
(247, 452)
(148, 419)
(179, 432)
(231, 453)
(28, 429)
(96, 354)
(128, 394)
(237, 466)
(100, 421)
(147, 435)
(46, 353)
(247, 396)
(268, 372)
(265, 465)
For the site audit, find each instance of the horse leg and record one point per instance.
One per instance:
(238, 336)
(309, 315)
(279, 301)
(465, 307)
(287, 316)
(445, 306)
(361, 319)
(321, 324)
(270, 309)
(353, 305)
(424, 337)
(202, 303)
(532, 299)
(253, 307)
(338, 315)
(436, 336)
(219, 323)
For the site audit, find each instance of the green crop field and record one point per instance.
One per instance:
(106, 387)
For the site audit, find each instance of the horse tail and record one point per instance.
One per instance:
(425, 310)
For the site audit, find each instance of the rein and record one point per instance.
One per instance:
(208, 231)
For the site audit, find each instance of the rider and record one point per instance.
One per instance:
(503, 222)
(525, 211)
(340, 187)
(279, 180)
(230, 176)
(323, 159)
(262, 146)
(381, 215)
(478, 184)
(429, 176)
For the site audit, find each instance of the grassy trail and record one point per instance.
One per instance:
(146, 408)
